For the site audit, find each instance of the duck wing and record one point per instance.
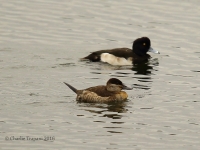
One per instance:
(119, 52)
(100, 91)
(88, 96)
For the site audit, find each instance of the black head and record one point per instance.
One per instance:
(141, 46)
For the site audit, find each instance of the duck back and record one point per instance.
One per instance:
(100, 90)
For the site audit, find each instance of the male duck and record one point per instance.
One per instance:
(124, 56)
(101, 94)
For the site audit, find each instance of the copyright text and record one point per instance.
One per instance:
(30, 138)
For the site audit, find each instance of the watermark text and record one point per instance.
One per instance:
(30, 138)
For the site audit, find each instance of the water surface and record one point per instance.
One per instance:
(40, 45)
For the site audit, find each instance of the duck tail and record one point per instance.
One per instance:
(71, 87)
(94, 57)
(85, 58)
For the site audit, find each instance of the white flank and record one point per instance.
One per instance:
(113, 60)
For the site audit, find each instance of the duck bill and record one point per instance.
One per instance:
(126, 87)
(153, 50)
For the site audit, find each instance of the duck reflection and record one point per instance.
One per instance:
(118, 107)
(145, 68)
(111, 111)
(142, 72)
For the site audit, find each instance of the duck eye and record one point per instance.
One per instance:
(144, 44)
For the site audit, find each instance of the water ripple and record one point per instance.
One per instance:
(41, 44)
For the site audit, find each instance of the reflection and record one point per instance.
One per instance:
(118, 107)
(143, 72)
(146, 67)
(114, 132)
(147, 108)
(105, 66)
(143, 68)
(67, 64)
(102, 113)
(195, 70)
(141, 79)
(139, 86)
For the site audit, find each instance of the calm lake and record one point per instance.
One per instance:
(41, 42)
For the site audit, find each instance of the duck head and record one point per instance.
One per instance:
(143, 45)
(115, 85)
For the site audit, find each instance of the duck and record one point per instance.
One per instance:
(124, 56)
(111, 92)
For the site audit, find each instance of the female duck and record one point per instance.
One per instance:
(124, 56)
(100, 94)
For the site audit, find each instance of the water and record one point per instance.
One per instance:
(40, 45)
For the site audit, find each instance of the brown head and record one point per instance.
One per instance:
(115, 85)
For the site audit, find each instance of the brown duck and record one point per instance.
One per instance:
(110, 92)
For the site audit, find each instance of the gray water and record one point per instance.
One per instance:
(41, 42)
